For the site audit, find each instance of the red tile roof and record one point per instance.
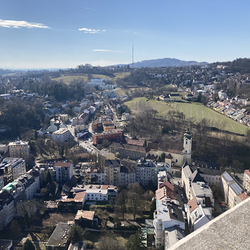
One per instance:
(243, 196)
(89, 215)
(192, 205)
(107, 186)
(168, 185)
(159, 194)
(169, 189)
(79, 196)
(135, 142)
(62, 164)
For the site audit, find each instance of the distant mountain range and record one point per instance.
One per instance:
(164, 62)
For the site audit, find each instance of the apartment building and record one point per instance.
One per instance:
(110, 135)
(29, 185)
(198, 214)
(127, 175)
(61, 135)
(246, 180)
(112, 170)
(18, 166)
(232, 191)
(7, 211)
(63, 171)
(167, 215)
(19, 149)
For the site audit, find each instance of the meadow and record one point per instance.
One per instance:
(195, 110)
(69, 78)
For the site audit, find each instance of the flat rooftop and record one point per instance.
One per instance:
(230, 230)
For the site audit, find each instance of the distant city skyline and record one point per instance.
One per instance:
(64, 34)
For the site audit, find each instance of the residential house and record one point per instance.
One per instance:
(85, 103)
(125, 116)
(164, 97)
(167, 214)
(64, 117)
(85, 215)
(202, 193)
(198, 215)
(189, 97)
(222, 95)
(52, 128)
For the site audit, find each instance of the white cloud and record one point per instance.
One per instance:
(107, 50)
(101, 50)
(91, 31)
(21, 24)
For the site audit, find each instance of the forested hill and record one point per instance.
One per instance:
(241, 65)
(164, 62)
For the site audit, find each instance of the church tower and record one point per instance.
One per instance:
(187, 147)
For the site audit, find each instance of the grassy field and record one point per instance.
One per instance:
(194, 110)
(121, 75)
(121, 91)
(69, 78)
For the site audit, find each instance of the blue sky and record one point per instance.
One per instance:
(63, 34)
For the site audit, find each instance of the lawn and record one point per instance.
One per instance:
(121, 74)
(69, 78)
(120, 91)
(194, 110)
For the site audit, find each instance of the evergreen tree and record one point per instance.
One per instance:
(136, 241)
(76, 233)
(28, 245)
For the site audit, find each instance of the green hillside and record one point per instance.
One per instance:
(194, 110)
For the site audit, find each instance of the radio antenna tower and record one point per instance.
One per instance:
(133, 55)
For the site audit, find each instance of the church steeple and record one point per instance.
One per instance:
(187, 145)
